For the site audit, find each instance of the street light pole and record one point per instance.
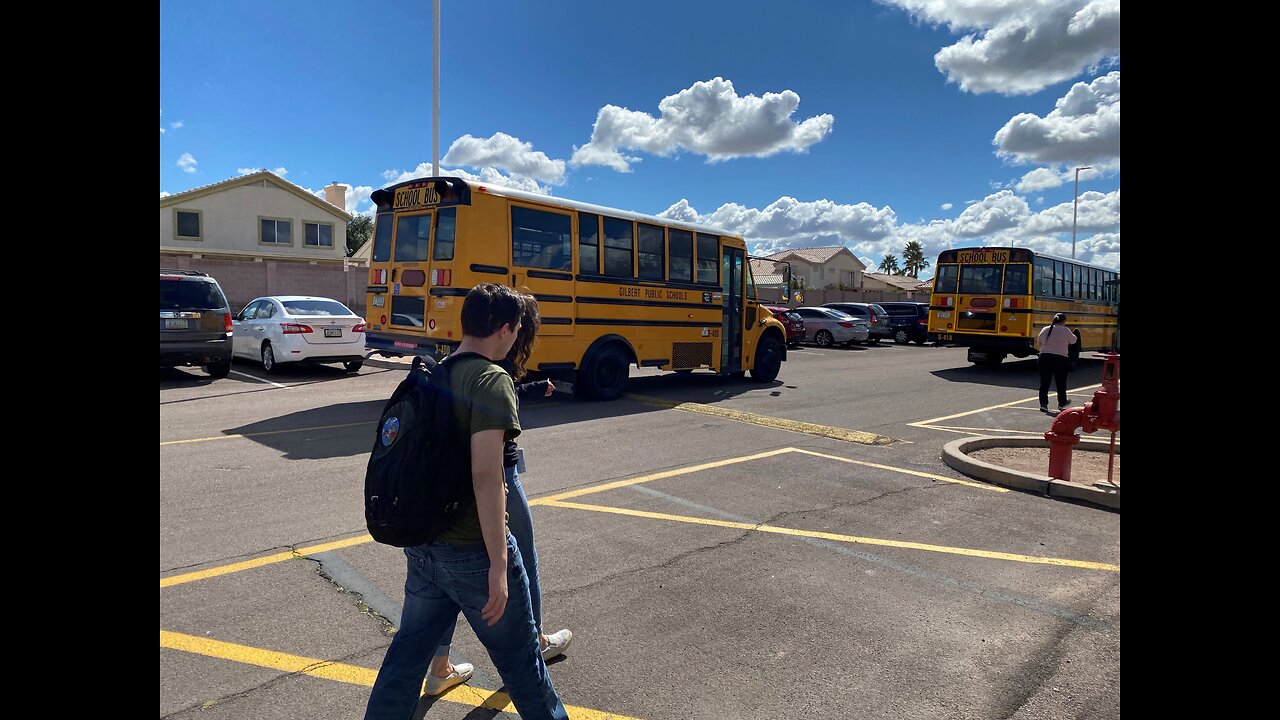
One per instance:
(1075, 208)
(435, 96)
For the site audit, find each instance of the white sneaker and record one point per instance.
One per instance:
(462, 672)
(557, 643)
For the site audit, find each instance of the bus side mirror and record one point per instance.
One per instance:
(786, 283)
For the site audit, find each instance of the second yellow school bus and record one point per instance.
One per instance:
(995, 301)
(615, 288)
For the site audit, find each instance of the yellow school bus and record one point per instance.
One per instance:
(615, 288)
(994, 301)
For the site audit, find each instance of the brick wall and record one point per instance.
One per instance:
(244, 280)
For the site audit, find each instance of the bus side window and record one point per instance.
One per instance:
(708, 258)
(540, 239)
(617, 248)
(588, 243)
(651, 251)
(681, 254)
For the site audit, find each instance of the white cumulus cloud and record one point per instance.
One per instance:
(504, 152)
(487, 175)
(1014, 47)
(187, 163)
(1082, 129)
(710, 119)
(249, 171)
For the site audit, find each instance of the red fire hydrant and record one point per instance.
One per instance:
(1102, 412)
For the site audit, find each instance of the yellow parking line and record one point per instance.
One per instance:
(655, 476)
(350, 674)
(918, 473)
(827, 431)
(265, 432)
(1010, 557)
(259, 562)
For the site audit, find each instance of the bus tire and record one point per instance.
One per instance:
(605, 375)
(768, 360)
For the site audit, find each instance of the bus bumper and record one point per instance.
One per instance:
(394, 345)
(1018, 347)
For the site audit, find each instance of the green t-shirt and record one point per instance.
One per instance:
(485, 399)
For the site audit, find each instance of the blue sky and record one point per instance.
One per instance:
(799, 124)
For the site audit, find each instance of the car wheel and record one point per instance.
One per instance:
(218, 370)
(353, 365)
(269, 359)
(824, 338)
(768, 360)
(901, 337)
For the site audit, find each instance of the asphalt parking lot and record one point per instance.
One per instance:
(720, 549)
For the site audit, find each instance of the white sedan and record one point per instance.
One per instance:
(287, 329)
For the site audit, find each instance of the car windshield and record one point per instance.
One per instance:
(191, 295)
(315, 307)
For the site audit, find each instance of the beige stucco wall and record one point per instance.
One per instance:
(229, 223)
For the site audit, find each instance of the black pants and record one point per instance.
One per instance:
(1056, 367)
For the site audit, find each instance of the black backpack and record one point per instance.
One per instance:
(419, 475)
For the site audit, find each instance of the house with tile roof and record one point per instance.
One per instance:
(259, 235)
(256, 216)
(895, 283)
(824, 268)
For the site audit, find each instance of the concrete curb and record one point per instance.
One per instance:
(956, 455)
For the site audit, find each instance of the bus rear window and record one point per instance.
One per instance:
(446, 225)
(412, 234)
(946, 280)
(980, 279)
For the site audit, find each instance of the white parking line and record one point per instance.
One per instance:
(255, 377)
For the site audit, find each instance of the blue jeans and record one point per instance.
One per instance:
(520, 523)
(443, 579)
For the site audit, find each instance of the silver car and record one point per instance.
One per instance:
(826, 327)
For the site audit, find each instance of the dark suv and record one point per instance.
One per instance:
(909, 321)
(195, 322)
(875, 316)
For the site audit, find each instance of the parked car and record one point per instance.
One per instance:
(195, 322)
(824, 326)
(909, 321)
(791, 321)
(287, 329)
(875, 316)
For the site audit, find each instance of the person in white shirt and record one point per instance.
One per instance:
(1054, 342)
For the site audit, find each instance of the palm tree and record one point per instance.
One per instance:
(913, 259)
(889, 265)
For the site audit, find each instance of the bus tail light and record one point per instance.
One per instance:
(1011, 302)
(948, 301)
(360, 327)
(378, 276)
(441, 277)
(295, 328)
(1004, 328)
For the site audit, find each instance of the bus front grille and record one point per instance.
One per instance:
(690, 354)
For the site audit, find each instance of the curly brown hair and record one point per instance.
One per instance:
(530, 321)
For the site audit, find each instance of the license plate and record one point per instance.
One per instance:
(944, 315)
(333, 332)
(175, 324)
(379, 300)
(946, 337)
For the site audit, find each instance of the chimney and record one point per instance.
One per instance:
(336, 195)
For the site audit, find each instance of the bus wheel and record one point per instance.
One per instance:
(768, 360)
(605, 376)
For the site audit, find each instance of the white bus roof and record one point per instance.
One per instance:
(490, 189)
